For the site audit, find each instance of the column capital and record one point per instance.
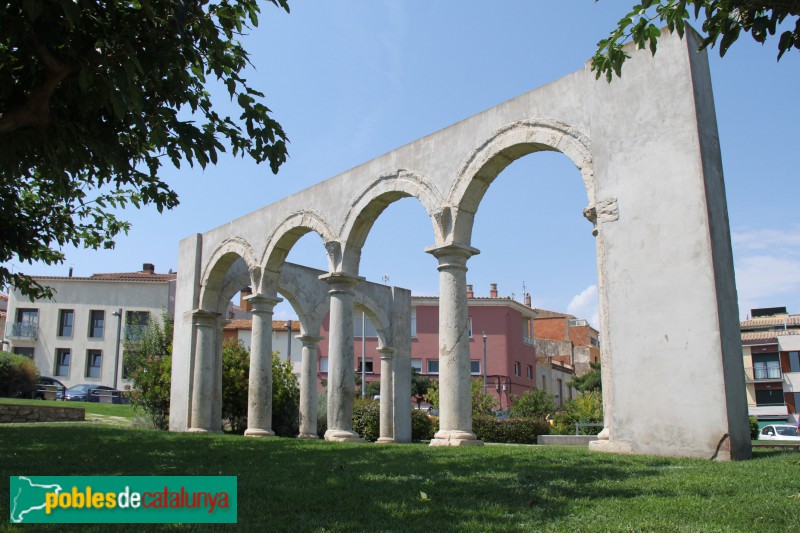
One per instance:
(452, 253)
(342, 281)
(387, 352)
(261, 303)
(309, 340)
(203, 317)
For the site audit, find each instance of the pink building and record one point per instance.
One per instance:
(510, 354)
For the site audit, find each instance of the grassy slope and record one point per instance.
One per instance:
(287, 484)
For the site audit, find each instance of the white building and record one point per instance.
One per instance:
(79, 336)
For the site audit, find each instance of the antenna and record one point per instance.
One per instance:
(385, 279)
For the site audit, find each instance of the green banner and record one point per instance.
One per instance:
(122, 499)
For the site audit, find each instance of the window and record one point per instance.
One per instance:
(97, 323)
(469, 320)
(27, 352)
(94, 359)
(27, 325)
(135, 324)
(517, 368)
(794, 361)
(475, 367)
(578, 322)
(416, 364)
(371, 331)
(433, 366)
(63, 357)
(529, 371)
(368, 368)
(414, 323)
(65, 319)
(766, 366)
(323, 364)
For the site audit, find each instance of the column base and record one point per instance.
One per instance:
(609, 446)
(309, 436)
(455, 438)
(258, 432)
(386, 440)
(342, 435)
(198, 430)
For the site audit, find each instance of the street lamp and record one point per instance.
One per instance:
(484, 362)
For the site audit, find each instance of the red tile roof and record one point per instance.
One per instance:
(3, 296)
(771, 321)
(116, 276)
(277, 325)
(749, 337)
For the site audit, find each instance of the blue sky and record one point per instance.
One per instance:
(351, 80)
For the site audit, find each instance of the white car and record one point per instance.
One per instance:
(779, 432)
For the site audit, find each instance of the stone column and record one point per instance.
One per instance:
(455, 389)
(216, 412)
(387, 395)
(308, 387)
(259, 396)
(341, 383)
(205, 326)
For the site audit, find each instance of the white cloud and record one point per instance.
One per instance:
(778, 242)
(584, 305)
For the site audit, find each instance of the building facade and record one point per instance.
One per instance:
(771, 352)
(79, 336)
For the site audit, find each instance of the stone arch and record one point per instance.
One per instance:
(376, 197)
(287, 233)
(233, 261)
(507, 144)
(377, 315)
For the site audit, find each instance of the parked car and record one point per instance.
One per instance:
(779, 432)
(84, 392)
(49, 389)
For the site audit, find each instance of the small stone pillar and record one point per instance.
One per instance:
(308, 387)
(259, 397)
(341, 382)
(387, 395)
(205, 326)
(455, 388)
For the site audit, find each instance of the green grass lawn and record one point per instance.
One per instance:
(292, 485)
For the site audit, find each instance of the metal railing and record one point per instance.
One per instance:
(763, 373)
(23, 330)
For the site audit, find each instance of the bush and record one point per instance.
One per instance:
(482, 404)
(584, 408)
(235, 384)
(322, 413)
(367, 419)
(511, 430)
(19, 377)
(148, 364)
(423, 427)
(753, 428)
(534, 403)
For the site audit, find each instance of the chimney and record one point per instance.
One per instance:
(149, 268)
(493, 290)
(528, 299)
(470, 292)
(70, 271)
(244, 304)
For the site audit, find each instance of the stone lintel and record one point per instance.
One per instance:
(341, 280)
(387, 352)
(309, 340)
(204, 317)
(453, 249)
(262, 303)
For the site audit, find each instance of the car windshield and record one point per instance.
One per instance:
(79, 388)
(787, 431)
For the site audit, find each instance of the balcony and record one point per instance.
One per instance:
(23, 330)
(777, 409)
(763, 374)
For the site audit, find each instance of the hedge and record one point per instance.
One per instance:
(19, 377)
(511, 430)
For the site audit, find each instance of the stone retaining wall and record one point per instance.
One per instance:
(565, 440)
(43, 413)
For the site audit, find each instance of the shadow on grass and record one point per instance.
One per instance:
(292, 485)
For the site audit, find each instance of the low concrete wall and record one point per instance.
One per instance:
(565, 440)
(35, 413)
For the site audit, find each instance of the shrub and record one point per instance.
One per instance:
(753, 428)
(322, 413)
(19, 377)
(534, 403)
(148, 364)
(584, 408)
(235, 382)
(511, 430)
(423, 427)
(482, 404)
(367, 419)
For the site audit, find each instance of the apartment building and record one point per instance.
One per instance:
(79, 335)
